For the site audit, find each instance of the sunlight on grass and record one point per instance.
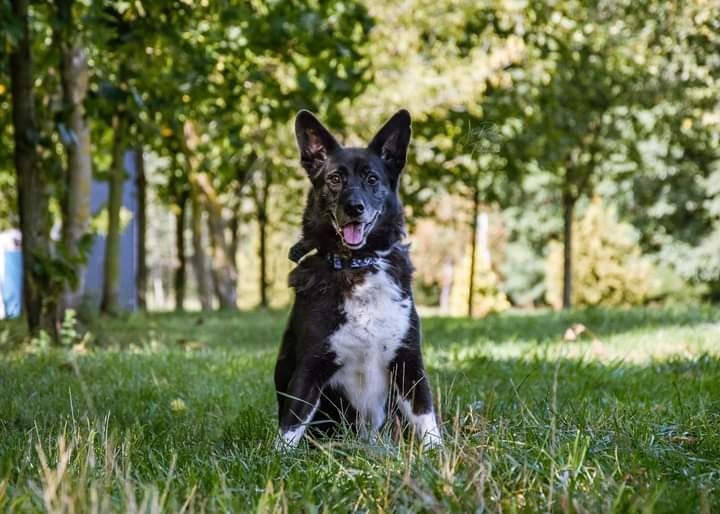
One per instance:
(177, 413)
(635, 346)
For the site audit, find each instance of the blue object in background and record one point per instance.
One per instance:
(11, 274)
(11, 266)
(11, 281)
(128, 241)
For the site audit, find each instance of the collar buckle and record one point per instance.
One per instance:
(338, 263)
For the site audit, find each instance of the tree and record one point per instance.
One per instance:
(40, 307)
(674, 199)
(611, 270)
(180, 273)
(260, 193)
(123, 33)
(587, 77)
(203, 194)
(142, 270)
(75, 134)
(254, 86)
(111, 269)
(467, 161)
(454, 70)
(198, 260)
(175, 193)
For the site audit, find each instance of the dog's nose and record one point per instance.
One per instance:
(354, 208)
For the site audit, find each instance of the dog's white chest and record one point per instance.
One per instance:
(377, 320)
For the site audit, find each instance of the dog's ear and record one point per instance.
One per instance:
(391, 141)
(314, 141)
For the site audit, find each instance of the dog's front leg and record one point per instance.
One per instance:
(414, 396)
(301, 401)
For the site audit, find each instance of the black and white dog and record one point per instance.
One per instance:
(351, 349)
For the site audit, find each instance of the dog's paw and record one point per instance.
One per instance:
(427, 430)
(287, 440)
(280, 446)
(432, 440)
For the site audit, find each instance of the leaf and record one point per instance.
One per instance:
(573, 332)
(178, 405)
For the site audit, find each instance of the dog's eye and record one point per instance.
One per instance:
(372, 179)
(334, 178)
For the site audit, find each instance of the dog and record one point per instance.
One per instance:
(351, 349)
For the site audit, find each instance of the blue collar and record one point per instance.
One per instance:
(338, 263)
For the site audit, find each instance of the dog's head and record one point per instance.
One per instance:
(354, 202)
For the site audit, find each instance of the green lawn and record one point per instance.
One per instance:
(170, 413)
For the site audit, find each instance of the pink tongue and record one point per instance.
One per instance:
(353, 233)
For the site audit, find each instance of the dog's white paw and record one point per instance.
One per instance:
(287, 440)
(427, 430)
(432, 439)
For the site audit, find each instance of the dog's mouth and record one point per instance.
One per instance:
(354, 234)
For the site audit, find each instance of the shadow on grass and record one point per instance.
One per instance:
(262, 329)
(641, 425)
(211, 410)
(549, 326)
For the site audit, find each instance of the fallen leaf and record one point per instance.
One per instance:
(574, 331)
(178, 405)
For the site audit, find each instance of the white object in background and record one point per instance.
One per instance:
(10, 286)
(483, 235)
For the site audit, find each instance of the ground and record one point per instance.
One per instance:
(174, 412)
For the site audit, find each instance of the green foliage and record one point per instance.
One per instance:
(674, 289)
(608, 267)
(534, 221)
(519, 104)
(524, 275)
(69, 333)
(677, 208)
(8, 202)
(488, 297)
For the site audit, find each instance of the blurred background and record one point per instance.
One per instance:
(565, 153)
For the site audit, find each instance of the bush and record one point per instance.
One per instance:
(608, 268)
(487, 295)
(697, 265)
(673, 288)
(523, 273)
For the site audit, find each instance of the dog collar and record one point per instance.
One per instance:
(338, 263)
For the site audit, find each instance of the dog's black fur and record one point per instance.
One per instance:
(350, 187)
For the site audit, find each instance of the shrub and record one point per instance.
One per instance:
(523, 273)
(608, 268)
(487, 296)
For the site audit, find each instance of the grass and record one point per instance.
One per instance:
(169, 413)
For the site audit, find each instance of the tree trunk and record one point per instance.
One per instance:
(234, 229)
(142, 271)
(199, 265)
(216, 279)
(78, 176)
(180, 249)
(262, 228)
(473, 250)
(32, 189)
(262, 254)
(188, 143)
(111, 272)
(223, 262)
(568, 209)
